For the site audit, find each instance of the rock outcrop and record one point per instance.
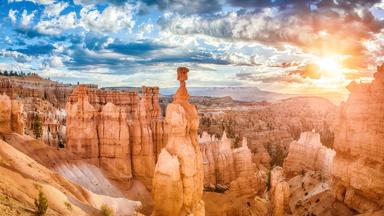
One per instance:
(116, 129)
(225, 164)
(311, 195)
(279, 193)
(43, 101)
(358, 167)
(178, 179)
(11, 119)
(307, 154)
(248, 180)
(226, 168)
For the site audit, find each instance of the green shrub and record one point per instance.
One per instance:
(106, 210)
(36, 126)
(41, 204)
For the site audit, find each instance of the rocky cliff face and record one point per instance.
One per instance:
(358, 168)
(11, 119)
(178, 179)
(116, 129)
(307, 154)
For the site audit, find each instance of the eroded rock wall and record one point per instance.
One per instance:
(307, 154)
(358, 168)
(118, 130)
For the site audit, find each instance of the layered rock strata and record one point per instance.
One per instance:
(178, 179)
(35, 87)
(358, 167)
(307, 154)
(117, 129)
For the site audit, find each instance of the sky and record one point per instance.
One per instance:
(297, 46)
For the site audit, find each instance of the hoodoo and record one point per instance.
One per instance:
(178, 180)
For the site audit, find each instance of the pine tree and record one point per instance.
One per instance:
(41, 204)
(36, 126)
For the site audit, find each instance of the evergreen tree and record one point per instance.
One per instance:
(41, 204)
(36, 126)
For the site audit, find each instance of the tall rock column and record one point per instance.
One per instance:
(225, 171)
(82, 125)
(178, 179)
(143, 157)
(114, 146)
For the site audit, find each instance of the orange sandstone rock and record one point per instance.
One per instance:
(358, 168)
(307, 154)
(11, 119)
(179, 174)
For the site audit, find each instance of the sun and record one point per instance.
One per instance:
(329, 64)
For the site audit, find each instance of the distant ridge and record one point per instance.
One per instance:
(236, 93)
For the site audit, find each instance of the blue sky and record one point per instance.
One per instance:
(280, 45)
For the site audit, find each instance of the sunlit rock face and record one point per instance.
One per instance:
(226, 168)
(357, 171)
(307, 154)
(11, 119)
(279, 192)
(311, 195)
(117, 130)
(247, 179)
(178, 180)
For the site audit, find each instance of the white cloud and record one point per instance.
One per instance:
(12, 16)
(19, 57)
(112, 19)
(44, 2)
(56, 62)
(55, 9)
(57, 25)
(144, 29)
(26, 19)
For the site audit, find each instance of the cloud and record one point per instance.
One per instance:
(56, 62)
(12, 16)
(327, 29)
(26, 19)
(271, 78)
(43, 2)
(17, 56)
(58, 24)
(310, 70)
(52, 10)
(111, 19)
(93, 2)
(186, 6)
